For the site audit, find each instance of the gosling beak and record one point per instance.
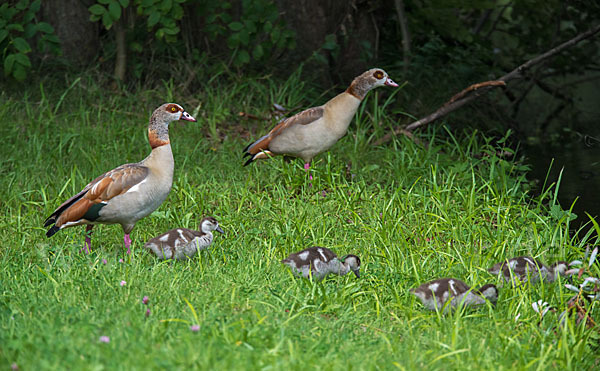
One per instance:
(390, 82)
(219, 230)
(356, 273)
(186, 117)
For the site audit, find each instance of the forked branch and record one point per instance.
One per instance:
(476, 90)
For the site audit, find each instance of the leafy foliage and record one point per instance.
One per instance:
(18, 27)
(257, 35)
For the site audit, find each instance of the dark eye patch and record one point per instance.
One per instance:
(378, 74)
(172, 108)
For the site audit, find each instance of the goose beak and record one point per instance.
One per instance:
(186, 117)
(219, 228)
(356, 273)
(390, 82)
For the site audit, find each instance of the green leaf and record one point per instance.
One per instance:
(28, 18)
(3, 34)
(45, 27)
(258, 52)
(9, 61)
(244, 37)
(21, 45)
(107, 20)
(19, 73)
(153, 19)
(233, 41)
(171, 31)
(330, 42)
(242, 58)
(235, 26)
(14, 27)
(97, 9)
(166, 5)
(267, 27)
(30, 30)
(23, 60)
(115, 10)
(250, 26)
(35, 6)
(136, 47)
(105, 2)
(22, 5)
(124, 3)
(275, 34)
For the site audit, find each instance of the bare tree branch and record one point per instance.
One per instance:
(517, 73)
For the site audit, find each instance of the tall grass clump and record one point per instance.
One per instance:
(411, 212)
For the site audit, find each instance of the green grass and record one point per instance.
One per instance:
(412, 214)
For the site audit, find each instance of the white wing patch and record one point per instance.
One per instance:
(323, 255)
(136, 187)
(303, 255)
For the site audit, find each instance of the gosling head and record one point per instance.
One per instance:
(353, 262)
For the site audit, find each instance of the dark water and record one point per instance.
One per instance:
(579, 159)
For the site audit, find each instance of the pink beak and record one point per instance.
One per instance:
(186, 117)
(390, 82)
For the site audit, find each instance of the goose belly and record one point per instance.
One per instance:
(135, 204)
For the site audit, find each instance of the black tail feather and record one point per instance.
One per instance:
(250, 160)
(51, 231)
(246, 149)
(51, 220)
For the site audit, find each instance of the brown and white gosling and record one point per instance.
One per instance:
(129, 192)
(183, 243)
(435, 294)
(317, 129)
(318, 262)
(525, 267)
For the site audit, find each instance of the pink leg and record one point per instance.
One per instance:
(127, 241)
(88, 238)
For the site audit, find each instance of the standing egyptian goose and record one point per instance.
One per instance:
(435, 294)
(318, 262)
(183, 243)
(316, 129)
(128, 193)
(525, 267)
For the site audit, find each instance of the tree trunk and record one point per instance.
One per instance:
(79, 38)
(121, 57)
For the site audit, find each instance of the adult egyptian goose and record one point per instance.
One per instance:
(525, 268)
(435, 294)
(318, 262)
(128, 193)
(316, 129)
(183, 243)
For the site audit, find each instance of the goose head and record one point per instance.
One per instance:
(171, 112)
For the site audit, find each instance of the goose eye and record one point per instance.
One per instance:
(378, 74)
(173, 109)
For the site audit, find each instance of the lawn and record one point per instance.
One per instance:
(411, 213)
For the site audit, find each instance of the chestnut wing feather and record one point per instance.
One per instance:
(100, 190)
